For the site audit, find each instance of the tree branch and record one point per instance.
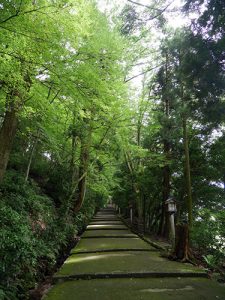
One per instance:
(24, 34)
(139, 4)
(57, 93)
(24, 13)
(160, 11)
(142, 73)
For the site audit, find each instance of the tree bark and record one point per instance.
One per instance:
(164, 222)
(14, 103)
(7, 134)
(30, 160)
(164, 225)
(83, 169)
(182, 248)
(138, 196)
(73, 169)
(74, 139)
(187, 173)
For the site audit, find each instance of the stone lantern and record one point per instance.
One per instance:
(171, 209)
(171, 205)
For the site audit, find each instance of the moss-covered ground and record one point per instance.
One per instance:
(107, 222)
(108, 233)
(110, 264)
(111, 243)
(106, 226)
(138, 289)
(122, 262)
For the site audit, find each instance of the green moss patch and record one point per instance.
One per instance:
(105, 215)
(108, 233)
(103, 218)
(138, 289)
(106, 226)
(110, 243)
(106, 222)
(123, 262)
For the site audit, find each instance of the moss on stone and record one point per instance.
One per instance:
(113, 222)
(138, 289)
(110, 233)
(126, 263)
(122, 262)
(106, 226)
(110, 243)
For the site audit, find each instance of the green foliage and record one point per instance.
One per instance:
(31, 234)
(211, 18)
(208, 236)
(188, 86)
(211, 260)
(62, 69)
(61, 65)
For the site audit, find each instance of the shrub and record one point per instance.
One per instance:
(208, 236)
(31, 236)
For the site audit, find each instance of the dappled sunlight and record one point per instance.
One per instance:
(79, 259)
(112, 148)
(186, 288)
(106, 226)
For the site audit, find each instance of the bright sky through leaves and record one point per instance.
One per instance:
(175, 19)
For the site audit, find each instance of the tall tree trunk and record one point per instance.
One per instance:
(73, 169)
(80, 187)
(136, 189)
(166, 188)
(30, 159)
(139, 193)
(140, 206)
(7, 134)
(144, 214)
(9, 125)
(139, 132)
(73, 151)
(164, 222)
(83, 169)
(187, 172)
(182, 249)
(72, 154)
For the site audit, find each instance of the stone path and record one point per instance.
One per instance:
(110, 262)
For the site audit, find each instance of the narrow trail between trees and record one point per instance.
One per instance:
(110, 262)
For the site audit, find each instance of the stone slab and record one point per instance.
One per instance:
(106, 226)
(108, 233)
(99, 218)
(107, 222)
(138, 289)
(124, 262)
(119, 265)
(105, 215)
(89, 245)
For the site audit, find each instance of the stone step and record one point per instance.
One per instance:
(116, 222)
(122, 263)
(112, 263)
(106, 227)
(138, 289)
(108, 233)
(111, 243)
